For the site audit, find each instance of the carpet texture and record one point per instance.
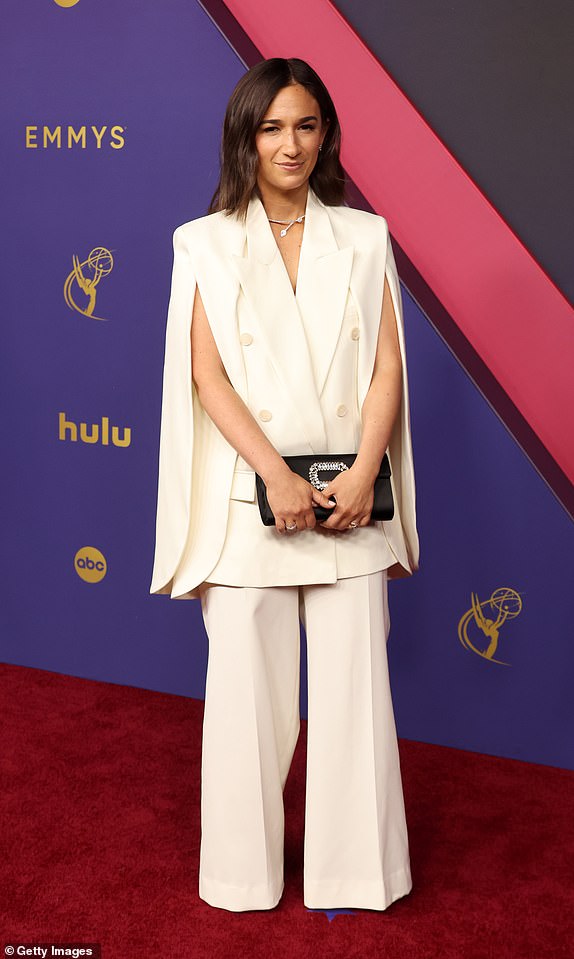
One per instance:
(100, 841)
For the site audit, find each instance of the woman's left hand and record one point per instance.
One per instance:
(353, 491)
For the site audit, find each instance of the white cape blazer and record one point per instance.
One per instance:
(342, 249)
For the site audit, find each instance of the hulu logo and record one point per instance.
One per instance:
(94, 432)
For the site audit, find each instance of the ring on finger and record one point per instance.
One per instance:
(293, 526)
(353, 525)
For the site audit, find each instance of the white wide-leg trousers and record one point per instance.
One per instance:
(356, 844)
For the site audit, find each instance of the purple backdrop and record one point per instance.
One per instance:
(161, 75)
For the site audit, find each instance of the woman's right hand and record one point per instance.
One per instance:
(291, 500)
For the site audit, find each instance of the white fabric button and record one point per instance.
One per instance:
(355, 333)
(342, 410)
(265, 416)
(246, 339)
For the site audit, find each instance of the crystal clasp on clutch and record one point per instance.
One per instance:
(323, 466)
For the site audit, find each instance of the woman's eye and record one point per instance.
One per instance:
(304, 126)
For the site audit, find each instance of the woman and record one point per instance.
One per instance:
(284, 336)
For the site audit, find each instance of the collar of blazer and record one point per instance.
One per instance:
(322, 284)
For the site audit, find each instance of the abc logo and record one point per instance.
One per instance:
(90, 564)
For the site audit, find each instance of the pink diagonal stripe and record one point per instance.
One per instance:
(505, 304)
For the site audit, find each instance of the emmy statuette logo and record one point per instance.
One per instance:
(80, 288)
(479, 628)
(66, 3)
(90, 564)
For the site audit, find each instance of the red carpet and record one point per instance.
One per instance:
(100, 823)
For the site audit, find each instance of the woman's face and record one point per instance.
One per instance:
(288, 140)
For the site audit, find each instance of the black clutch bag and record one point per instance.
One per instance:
(319, 471)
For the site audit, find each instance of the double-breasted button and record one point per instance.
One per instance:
(355, 333)
(265, 415)
(246, 339)
(342, 410)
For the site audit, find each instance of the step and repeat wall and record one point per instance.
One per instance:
(112, 119)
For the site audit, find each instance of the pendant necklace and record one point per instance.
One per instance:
(289, 223)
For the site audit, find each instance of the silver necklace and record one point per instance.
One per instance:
(289, 223)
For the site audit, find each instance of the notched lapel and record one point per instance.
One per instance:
(322, 289)
(322, 286)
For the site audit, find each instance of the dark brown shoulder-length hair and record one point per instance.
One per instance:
(245, 111)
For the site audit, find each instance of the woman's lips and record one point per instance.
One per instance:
(290, 166)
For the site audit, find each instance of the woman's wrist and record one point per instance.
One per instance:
(274, 469)
(367, 468)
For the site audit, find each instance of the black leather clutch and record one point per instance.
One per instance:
(319, 471)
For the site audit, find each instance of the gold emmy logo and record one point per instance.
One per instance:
(84, 279)
(90, 564)
(68, 137)
(504, 604)
(66, 3)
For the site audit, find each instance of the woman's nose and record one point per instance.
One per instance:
(290, 142)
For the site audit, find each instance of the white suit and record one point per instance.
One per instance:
(303, 365)
(292, 376)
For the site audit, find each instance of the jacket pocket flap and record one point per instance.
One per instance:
(243, 485)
